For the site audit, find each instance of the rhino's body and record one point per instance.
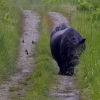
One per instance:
(66, 47)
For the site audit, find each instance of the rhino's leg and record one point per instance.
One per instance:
(70, 71)
(62, 68)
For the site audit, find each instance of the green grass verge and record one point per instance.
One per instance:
(44, 70)
(9, 17)
(88, 70)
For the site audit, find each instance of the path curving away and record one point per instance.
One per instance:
(25, 58)
(58, 18)
(63, 87)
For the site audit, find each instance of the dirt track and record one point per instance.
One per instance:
(63, 87)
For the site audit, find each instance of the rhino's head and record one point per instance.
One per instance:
(71, 52)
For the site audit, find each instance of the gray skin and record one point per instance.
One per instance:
(66, 47)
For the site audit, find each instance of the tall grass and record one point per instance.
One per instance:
(9, 16)
(88, 70)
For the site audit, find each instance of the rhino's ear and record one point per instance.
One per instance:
(57, 29)
(81, 42)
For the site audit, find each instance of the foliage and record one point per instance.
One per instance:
(88, 70)
(8, 20)
(2, 5)
(85, 6)
(96, 14)
(9, 16)
(95, 3)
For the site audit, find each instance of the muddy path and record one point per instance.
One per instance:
(25, 60)
(63, 88)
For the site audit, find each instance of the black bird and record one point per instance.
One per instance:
(32, 42)
(26, 51)
(23, 41)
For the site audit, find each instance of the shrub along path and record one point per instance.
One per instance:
(63, 87)
(25, 58)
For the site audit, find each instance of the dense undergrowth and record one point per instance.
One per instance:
(9, 22)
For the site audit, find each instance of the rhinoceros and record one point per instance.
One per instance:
(66, 47)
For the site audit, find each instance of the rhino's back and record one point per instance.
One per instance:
(60, 27)
(56, 37)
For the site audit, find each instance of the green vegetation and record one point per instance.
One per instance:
(86, 21)
(87, 73)
(9, 17)
(85, 6)
(90, 7)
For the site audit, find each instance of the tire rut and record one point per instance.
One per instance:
(25, 58)
(63, 87)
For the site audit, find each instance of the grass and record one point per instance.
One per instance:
(88, 75)
(9, 17)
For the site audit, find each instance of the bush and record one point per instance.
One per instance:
(2, 5)
(96, 15)
(85, 6)
(96, 4)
